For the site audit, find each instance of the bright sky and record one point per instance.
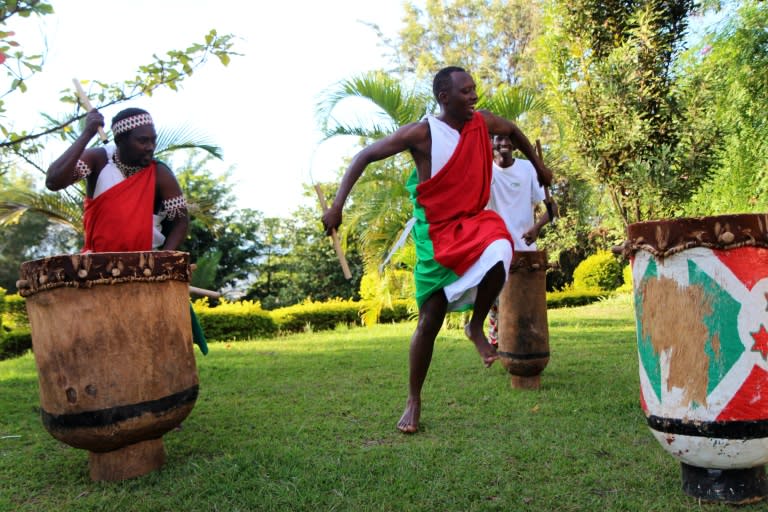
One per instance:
(260, 109)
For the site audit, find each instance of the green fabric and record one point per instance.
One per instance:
(197, 332)
(429, 275)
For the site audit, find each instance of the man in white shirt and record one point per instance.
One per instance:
(515, 194)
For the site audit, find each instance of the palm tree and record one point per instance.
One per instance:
(379, 205)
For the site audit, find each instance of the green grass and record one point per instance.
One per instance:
(308, 423)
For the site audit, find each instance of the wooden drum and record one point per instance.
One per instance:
(112, 338)
(523, 328)
(701, 302)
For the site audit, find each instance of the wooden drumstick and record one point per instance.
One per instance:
(86, 103)
(334, 236)
(547, 197)
(204, 292)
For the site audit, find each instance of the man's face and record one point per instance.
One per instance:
(460, 99)
(139, 147)
(502, 144)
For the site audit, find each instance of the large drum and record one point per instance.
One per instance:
(112, 339)
(523, 328)
(701, 295)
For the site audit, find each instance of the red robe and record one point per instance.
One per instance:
(120, 219)
(453, 226)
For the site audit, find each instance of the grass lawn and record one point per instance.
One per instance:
(307, 422)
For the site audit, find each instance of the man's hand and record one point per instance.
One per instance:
(331, 219)
(531, 235)
(93, 121)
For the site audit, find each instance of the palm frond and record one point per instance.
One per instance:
(386, 94)
(58, 208)
(512, 102)
(185, 137)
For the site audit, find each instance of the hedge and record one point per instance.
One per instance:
(15, 343)
(234, 321)
(570, 298)
(317, 316)
(401, 311)
(246, 320)
(15, 312)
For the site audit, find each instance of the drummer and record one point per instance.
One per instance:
(133, 202)
(515, 194)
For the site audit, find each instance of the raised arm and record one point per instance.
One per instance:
(500, 126)
(172, 201)
(409, 137)
(61, 172)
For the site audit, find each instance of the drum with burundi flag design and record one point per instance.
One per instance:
(701, 306)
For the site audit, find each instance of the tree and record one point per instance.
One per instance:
(298, 263)
(168, 71)
(379, 206)
(221, 236)
(611, 71)
(491, 39)
(31, 237)
(729, 65)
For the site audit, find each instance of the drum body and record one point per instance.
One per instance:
(701, 299)
(112, 339)
(523, 328)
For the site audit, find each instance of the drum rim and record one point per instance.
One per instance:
(666, 237)
(86, 270)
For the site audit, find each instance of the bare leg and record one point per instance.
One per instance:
(431, 316)
(487, 291)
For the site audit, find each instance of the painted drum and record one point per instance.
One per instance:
(523, 328)
(112, 339)
(701, 305)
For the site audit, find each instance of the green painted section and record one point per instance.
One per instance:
(429, 275)
(648, 357)
(721, 324)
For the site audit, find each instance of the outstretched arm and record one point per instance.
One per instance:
(61, 172)
(407, 137)
(500, 126)
(172, 201)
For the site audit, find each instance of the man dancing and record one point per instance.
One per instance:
(463, 250)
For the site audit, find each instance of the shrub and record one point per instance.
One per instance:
(401, 311)
(626, 274)
(571, 297)
(15, 314)
(600, 271)
(317, 315)
(234, 321)
(15, 343)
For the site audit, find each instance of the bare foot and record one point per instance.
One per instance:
(485, 349)
(409, 421)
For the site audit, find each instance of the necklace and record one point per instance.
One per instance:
(125, 170)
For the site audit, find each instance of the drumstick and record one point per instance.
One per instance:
(334, 236)
(547, 197)
(203, 291)
(86, 103)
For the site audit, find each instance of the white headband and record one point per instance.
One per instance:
(129, 123)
